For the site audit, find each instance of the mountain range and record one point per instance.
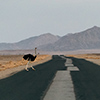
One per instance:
(88, 39)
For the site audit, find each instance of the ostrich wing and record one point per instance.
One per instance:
(26, 57)
(29, 57)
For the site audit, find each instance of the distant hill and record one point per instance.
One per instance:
(30, 43)
(88, 39)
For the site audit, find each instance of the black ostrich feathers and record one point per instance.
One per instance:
(29, 57)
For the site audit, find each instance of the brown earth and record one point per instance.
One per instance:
(11, 61)
(11, 64)
(95, 57)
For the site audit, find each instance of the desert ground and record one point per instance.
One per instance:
(10, 64)
(11, 61)
(93, 57)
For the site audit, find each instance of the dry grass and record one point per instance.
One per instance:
(95, 58)
(11, 61)
(86, 56)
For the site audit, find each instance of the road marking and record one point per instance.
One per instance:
(61, 87)
(72, 69)
(69, 65)
(68, 61)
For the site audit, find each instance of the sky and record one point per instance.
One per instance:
(21, 19)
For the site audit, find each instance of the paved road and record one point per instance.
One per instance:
(62, 85)
(30, 85)
(87, 80)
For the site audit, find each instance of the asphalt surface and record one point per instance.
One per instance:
(86, 80)
(33, 84)
(61, 87)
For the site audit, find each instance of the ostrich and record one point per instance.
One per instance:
(30, 57)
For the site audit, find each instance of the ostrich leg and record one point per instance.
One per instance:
(32, 67)
(27, 66)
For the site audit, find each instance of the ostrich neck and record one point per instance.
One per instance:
(35, 51)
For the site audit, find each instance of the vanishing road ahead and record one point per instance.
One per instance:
(32, 85)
